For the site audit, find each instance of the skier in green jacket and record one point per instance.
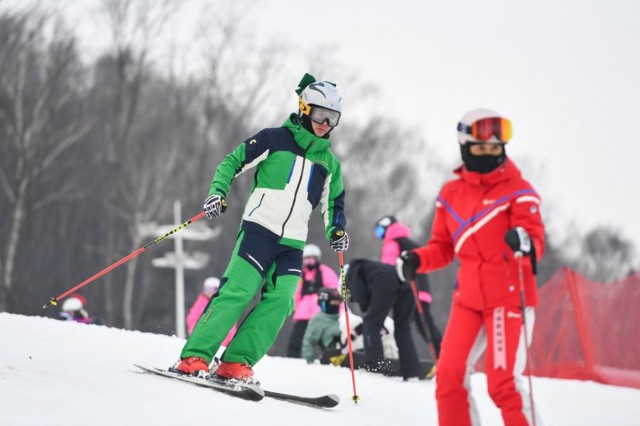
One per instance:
(295, 171)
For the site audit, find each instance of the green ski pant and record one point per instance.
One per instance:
(254, 258)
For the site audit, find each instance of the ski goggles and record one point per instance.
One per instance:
(379, 230)
(320, 114)
(483, 129)
(381, 227)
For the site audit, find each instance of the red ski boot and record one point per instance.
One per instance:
(192, 365)
(236, 371)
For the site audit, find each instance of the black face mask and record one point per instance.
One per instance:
(481, 163)
(311, 265)
(329, 308)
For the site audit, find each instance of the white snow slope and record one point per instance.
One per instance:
(62, 373)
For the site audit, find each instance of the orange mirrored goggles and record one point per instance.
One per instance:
(483, 129)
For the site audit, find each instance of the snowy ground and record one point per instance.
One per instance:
(61, 373)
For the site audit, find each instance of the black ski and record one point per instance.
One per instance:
(324, 401)
(248, 393)
(252, 393)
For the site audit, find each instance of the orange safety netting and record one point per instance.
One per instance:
(588, 330)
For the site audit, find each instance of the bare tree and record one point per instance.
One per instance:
(39, 79)
(605, 256)
(138, 166)
(382, 165)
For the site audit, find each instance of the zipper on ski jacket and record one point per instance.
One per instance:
(295, 195)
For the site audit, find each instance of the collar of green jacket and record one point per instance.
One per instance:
(307, 140)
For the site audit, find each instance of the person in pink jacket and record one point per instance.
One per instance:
(209, 288)
(315, 275)
(396, 238)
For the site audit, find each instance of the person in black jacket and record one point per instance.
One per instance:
(396, 239)
(375, 287)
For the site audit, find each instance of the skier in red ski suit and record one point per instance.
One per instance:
(483, 218)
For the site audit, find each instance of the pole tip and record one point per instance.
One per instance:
(355, 399)
(53, 302)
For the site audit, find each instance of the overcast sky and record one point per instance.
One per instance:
(567, 73)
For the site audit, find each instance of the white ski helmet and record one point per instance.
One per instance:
(211, 285)
(321, 94)
(72, 304)
(312, 250)
(471, 117)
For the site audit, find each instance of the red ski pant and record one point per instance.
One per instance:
(469, 333)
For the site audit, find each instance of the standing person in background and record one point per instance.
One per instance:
(396, 239)
(209, 288)
(295, 172)
(488, 218)
(315, 275)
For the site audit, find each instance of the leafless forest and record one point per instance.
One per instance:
(89, 151)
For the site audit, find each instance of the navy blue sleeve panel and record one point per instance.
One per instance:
(256, 145)
(317, 178)
(339, 219)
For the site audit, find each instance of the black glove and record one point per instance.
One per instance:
(518, 240)
(339, 241)
(406, 265)
(214, 205)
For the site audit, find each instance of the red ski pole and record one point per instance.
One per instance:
(54, 300)
(355, 398)
(416, 296)
(518, 256)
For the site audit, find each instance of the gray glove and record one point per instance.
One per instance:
(214, 205)
(339, 241)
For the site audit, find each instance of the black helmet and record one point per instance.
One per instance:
(329, 300)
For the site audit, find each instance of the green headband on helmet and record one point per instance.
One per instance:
(307, 79)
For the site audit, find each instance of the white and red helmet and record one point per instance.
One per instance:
(72, 304)
(484, 125)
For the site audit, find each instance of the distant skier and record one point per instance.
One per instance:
(482, 218)
(323, 331)
(315, 275)
(295, 171)
(74, 309)
(209, 288)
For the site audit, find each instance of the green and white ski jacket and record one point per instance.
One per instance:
(295, 170)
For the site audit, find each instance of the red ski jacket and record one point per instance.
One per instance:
(473, 213)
